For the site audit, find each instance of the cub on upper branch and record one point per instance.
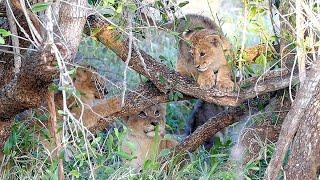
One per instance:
(202, 52)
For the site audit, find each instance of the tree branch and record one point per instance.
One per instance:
(173, 81)
(28, 88)
(210, 128)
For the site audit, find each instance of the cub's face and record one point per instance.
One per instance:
(145, 122)
(207, 50)
(91, 85)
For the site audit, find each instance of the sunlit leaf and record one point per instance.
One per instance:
(75, 173)
(4, 33)
(183, 3)
(38, 7)
(2, 40)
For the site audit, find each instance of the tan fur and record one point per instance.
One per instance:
(202, 52)
(208, 53)
(86, 82)
(142, 131)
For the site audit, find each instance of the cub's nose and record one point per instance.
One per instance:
(105, 91)
(154, 123)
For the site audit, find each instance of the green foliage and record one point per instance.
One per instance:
(104, 151)
(4, 33)
(177, 114)
(175, 96)
(41, 6)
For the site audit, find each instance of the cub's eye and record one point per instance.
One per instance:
(191, 52)
(157, 113)
(142, 114)
(202, 54)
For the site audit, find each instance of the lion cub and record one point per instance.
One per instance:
(202, 53)
(142, 128)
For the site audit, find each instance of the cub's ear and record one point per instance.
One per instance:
(217, 40)
(214, 40)
(188, 34)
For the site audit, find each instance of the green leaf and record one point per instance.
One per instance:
(108, 3)
(183, 3)
(164, 153)
(109, 170)
(75, 173)
(116, 132)
(38, 7)
(119, 9)
(5, 33)
(7, 147)
(2, 40)
(161, 79)
(180, 95)
(72, 72)
(62, 113)
(262, 60)
(53, 88)
(171, 98)
(125, 155)
(132, 7)
(174, 33)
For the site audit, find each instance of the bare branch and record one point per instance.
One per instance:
(53, 127)
(15, 40)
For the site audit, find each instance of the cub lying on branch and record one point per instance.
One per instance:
(143, 130)
(202, 52)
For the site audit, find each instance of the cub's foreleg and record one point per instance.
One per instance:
(224, 81)
(206, 79)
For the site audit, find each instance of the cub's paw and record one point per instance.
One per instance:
(226, 85)
(206, 82)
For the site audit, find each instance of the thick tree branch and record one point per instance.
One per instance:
(28, 88)
(210, 128)
(173, 81)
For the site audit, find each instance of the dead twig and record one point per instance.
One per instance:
(53, 128)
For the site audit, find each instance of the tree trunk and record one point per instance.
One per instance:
(304, 160)
(305, 95)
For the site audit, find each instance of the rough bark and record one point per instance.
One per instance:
(291, 123)
(304, 160)
(71, 23)
(210, 128)
(29, 87)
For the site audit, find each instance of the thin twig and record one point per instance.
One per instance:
(15, 40)
(54, 132)
(124, 82)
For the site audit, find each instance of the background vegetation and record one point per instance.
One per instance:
(245, 23)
